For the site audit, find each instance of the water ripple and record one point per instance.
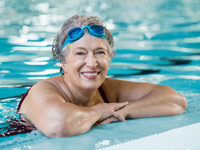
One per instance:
(156, 42)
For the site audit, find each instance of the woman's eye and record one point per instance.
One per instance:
(100, 52)
(80, 53)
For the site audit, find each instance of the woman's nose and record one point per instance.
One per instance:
(91, 61)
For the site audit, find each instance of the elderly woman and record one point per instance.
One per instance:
(71, 103)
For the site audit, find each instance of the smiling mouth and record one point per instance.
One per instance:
(90, 75)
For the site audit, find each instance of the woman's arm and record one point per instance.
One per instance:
(50, 113)
(146, 100)
(160, 101)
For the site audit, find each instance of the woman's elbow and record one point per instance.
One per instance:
(184, 102)
(180, 105)
(55, 129)
(63, 129)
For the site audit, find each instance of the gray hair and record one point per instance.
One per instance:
(77, 21)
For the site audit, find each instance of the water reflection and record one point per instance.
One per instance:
(142, 35)
(156, 41)
(45, 72)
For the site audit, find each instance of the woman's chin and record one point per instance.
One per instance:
(91, 87)
(91, 84)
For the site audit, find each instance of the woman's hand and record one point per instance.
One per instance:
(110, 110)
(122, 112)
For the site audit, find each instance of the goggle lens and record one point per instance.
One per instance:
(76, 33)
(97, 29)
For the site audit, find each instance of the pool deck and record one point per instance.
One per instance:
(184, 138)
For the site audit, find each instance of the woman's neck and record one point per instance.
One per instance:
(79, 96)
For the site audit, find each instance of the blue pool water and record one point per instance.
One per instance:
(156, 42)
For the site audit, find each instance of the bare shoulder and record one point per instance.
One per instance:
(49, 86)
(42, 93)
(117, 90)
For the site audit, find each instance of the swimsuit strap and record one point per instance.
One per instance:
(103, 94)
(22, 99)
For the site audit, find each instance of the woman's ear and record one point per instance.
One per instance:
(64, 67)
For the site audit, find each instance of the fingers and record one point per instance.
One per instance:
(117, 106)
(118, 116)
(108, 110)
(109, 120)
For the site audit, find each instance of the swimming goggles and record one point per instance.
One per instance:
(76, 33)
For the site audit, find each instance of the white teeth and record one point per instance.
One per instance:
(90, 74)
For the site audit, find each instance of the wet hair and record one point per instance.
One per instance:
(77, 21)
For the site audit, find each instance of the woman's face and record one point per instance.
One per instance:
(87, 62)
